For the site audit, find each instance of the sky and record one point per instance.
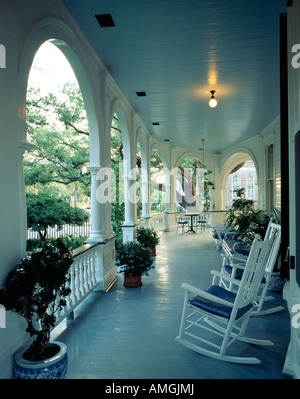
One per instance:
(50, 70)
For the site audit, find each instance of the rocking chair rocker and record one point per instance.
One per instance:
(224, 313)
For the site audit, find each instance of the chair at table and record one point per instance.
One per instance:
(181, 222)
(236, 269)
(202, 221)
(217, 311)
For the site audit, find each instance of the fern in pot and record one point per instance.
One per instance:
(36, 289)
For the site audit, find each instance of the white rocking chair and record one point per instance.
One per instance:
(223, 313)
(235, 270)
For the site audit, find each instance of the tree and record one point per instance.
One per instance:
(44, 211)
(58, 129)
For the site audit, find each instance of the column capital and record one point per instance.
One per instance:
(94, 169)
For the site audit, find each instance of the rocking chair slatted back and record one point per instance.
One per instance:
(254, 271)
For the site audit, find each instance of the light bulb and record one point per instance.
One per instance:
(213, 102)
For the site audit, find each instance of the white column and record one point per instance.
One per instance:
(130, 208)
(97, 210)
(145, 194)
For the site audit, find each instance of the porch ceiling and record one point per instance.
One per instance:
(178, 50)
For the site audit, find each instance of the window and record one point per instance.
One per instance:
(250, 187)
(236, 184)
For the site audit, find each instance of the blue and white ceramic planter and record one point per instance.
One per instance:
(276, 282)
(52, 368)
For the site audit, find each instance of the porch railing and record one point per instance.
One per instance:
(157, 221)
(93, 268)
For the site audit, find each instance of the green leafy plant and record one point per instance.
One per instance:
(256, 222)
(44, 211)
(134, 258)
(241, 203)
(36, 289)
(147, 237)
(70, 241)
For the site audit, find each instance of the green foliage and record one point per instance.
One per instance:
(241, 203)
(117, 216)
(70, 241)
(36, 289)
(147, 237)
(134, 258)
(44, 211)
(58, 128)
(245, 220)
(257, 225)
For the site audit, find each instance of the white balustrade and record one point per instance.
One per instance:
(86, 275)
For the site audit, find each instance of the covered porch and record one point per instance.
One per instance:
(129, 333)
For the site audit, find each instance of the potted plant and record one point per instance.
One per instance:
(36, 289)
(148, 238)
(135, 261)
(258, 225)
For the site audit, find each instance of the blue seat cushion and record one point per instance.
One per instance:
(182, 222)
(240, 248)
(238, 273)
(216, 308)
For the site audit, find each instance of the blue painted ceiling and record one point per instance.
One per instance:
(178, 50)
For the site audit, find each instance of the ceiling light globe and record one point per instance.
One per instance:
(212, 102)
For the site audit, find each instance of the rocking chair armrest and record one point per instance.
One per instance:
(204, 294)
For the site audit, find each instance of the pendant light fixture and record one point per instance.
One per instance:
(203, 166)
(212, 102)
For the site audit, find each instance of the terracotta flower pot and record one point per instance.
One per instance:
(132, 281)
(152, 251)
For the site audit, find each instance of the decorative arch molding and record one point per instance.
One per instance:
(234, 158)
(60, 34)
(188, 154)
(163, 155)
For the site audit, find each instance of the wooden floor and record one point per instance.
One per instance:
(129, 333)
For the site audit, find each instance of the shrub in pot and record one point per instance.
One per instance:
(148, 238)
(135, 261)
(36, 289)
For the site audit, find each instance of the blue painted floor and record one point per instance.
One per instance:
(129, 333)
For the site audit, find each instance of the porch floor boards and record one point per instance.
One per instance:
(129, 333)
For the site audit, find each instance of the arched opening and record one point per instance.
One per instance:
(139, 177)
(157, 182)
(194, 186)
(56, 169)
(244, 176)
(117, 182)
